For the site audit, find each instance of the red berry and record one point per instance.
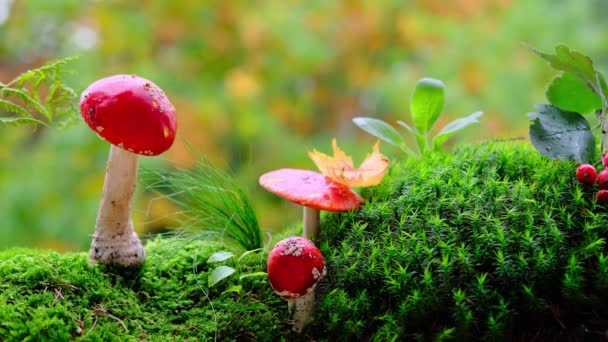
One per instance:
(586, 174)
(605, 159)
(602, 197)
(602, 179)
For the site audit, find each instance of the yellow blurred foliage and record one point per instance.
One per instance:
(242, 84)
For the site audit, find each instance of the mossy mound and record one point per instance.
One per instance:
(492, 241)
(51, 297)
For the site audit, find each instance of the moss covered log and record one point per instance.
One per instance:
(492, 241)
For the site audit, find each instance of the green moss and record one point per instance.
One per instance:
(492, 241)
(49, 296)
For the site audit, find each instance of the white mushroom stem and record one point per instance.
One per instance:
(301, 309)
(311, 223)
(115, 241)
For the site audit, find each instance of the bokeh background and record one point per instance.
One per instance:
(257, 84)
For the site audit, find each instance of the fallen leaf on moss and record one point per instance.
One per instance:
(340, 167)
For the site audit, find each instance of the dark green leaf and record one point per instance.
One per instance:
(570, 93)
(220, 274)
(573, 62)
(427, 103)
(220, 256)
(380, 129)
(560, 134)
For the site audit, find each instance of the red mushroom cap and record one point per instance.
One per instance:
(294, 266)
(130, 112)
(311, 189)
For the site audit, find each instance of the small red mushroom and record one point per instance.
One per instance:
(136, 117)
(314, 192)
(295, 266)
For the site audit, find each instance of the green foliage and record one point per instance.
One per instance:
(23, 97)
(426, 106)
(560, 131)
(489, 242)
(212, 203)
(222, 272)
(575, 63)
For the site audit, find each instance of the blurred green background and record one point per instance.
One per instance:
(257, 84)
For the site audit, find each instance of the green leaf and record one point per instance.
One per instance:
(408, 127)
(220, 256)
(380, 129)
(236, 288)
(220, 274)
(454, 126)
(572, 62)
(570, 93)
(427, 103)
(246, 253)
(253, 275)
(560, 134)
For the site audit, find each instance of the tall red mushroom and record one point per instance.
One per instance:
(295, 266)
(136, 117)
(314, 192)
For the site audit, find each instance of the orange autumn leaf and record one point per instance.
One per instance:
(340, 167)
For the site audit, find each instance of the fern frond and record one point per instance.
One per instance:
(19, 121)
(22, 96)
(13, 108)
(51, 70)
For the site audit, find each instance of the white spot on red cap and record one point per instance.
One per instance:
(294, 248)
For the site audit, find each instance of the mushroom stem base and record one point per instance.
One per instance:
(119, 249)
(301, 308)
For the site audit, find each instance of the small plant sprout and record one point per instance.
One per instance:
(136, 117)
(223, 271)
(295, 266)
(426, 106)
(314, 192)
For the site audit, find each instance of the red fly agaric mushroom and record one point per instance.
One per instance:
(314, 192)
(136, 117)
(295, 266)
